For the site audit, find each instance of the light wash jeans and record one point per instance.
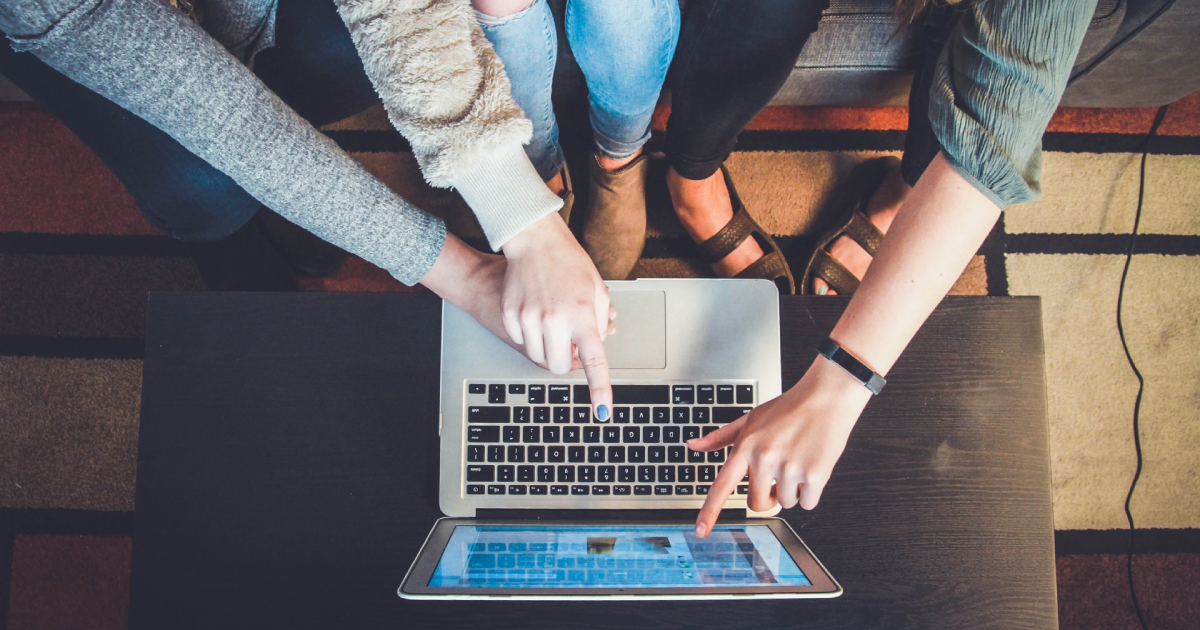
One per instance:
(624, 48)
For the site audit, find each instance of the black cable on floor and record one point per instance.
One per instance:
(1137, 405)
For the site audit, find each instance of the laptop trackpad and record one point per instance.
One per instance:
(641, 339)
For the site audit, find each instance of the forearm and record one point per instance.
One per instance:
(939, 228)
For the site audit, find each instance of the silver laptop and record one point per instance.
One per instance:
(689, 357)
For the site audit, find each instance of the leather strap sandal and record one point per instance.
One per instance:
(850, 201)
(772, 266)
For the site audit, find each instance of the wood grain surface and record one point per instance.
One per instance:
(287, 474)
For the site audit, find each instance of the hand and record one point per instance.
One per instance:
(556, 305)
(791, 442)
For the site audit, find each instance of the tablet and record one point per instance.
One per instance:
(509, 559)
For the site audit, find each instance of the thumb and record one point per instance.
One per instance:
(720, 438)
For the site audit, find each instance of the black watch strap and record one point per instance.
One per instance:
(832, 351)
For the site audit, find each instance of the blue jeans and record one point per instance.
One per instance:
(624, 48)
(314, 68)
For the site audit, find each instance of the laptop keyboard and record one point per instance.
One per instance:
(541, 439)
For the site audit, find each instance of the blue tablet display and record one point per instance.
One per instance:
(614, 557)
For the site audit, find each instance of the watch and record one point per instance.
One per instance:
(832, 351)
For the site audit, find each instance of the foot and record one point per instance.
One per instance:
(881, 211)
(703, 207)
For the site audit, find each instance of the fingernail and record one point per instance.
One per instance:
(602, 413)
(700, 529)
(822, 290)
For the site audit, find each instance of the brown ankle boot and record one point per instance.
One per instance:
(614, 230)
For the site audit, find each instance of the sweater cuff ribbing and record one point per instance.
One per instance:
(506, 193)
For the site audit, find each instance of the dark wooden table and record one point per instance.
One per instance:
(287, 473)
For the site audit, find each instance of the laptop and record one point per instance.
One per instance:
(545, 501)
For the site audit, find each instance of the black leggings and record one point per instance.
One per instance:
(734, 55)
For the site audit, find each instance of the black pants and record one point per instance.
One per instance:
(734, 55)
(313, 67)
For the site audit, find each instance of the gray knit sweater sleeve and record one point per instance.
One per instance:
(149, 59)
(996, 85)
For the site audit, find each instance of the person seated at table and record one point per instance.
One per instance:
(624, 48)
(160, 100)
(991, 76)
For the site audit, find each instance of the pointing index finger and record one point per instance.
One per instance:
(595, 368)
(724, 485)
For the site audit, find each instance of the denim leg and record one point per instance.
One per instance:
(527, 43)
(179, 193)
(733, 57)
(624, 48)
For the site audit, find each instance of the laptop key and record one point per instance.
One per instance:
(539, 489)
(583, 395)
(522, 415)
(725, 415)
(717, 455)
(641, 415)
(743, 489)
(690, 433)
(611, 435)
(506, 473)
(681, 415)
(483, 434)
(536, 453)
(702, 490)
(516, 388)
(616, 454)
(516, 453)
(705, 394)
(701, 415)
(537, 394)
(581, 415)
(662, 415)
(531, 435)
(675, 454)
(496, 394)
(621, 490)
(626, 474)
(622, 415)
(707, 473)
(646, 474)
(607, 474)
(650, 435)
(642, 490)
(595, 454)
(575, 454)
(683, 395)
(687, 474)
(476, 388)
(586, 474)
(566, 474)
(600, 490)
(560, 394)
(662, 490)
(637, 454)
(631, 435)
(474, 452)
(475, 488)
(570, 435)
(666, 474)
(495, 453)
(745, 394)
(512, 434)
(556, 453)
(515, 489)
(577, 490)
(683, 490)
(562, 415)
(695, 457)
(541, 415)
(495, 489)
(488, 415)
(591, 435)
(656, 454)
(559, 490)
(545, 474)
(481, 473)
(707, 430)
(550, 434)
(670, 435)
(724, 394)
(525, 474)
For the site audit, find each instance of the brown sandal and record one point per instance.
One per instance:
(772, 266)
(851, 200)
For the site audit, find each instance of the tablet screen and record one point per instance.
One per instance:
(614, 557)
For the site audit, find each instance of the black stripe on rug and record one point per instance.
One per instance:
(72, 347)
(994, 268)
(90, 245)
(61, 522)
(1162, 244)
(7, 538)
(1069, 542)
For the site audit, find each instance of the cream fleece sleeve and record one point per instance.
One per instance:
(445, 90)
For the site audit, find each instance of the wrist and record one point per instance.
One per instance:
(535, 236)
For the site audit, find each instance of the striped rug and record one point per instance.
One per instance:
(76, 261)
